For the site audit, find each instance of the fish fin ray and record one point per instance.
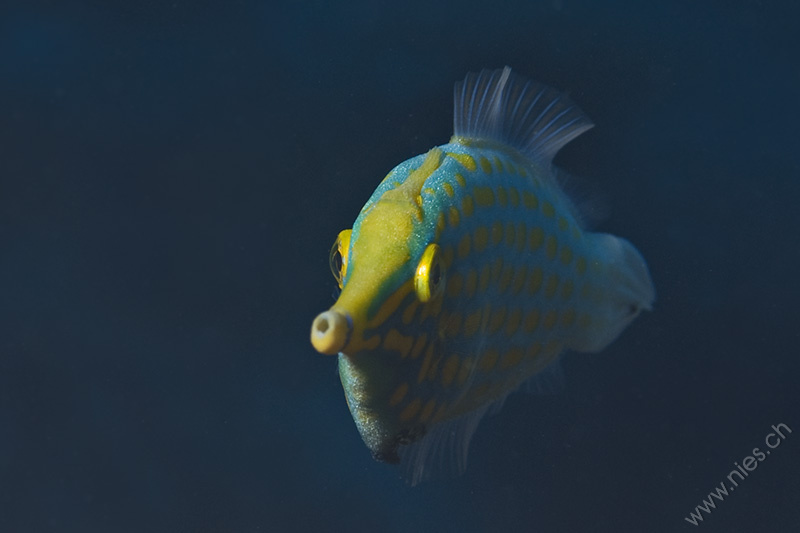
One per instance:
(442, 453)
(549, 381)
(535, 119)
(627, 290)
(588, 204)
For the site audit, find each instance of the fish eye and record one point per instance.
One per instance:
(338, 258)
(429, 279)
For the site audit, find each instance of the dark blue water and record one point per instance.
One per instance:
(172, 175)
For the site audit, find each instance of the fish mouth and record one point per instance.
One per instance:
(330, 332)
(388, 450)
(387, 455)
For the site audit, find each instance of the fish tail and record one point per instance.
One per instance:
(621, 289)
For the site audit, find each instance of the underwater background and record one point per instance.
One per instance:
(173, 174)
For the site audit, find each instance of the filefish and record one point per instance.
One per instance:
(467, 273)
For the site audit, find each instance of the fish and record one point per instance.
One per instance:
(468, 273)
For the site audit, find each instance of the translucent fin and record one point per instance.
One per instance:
(443, 451)
(533, 118)
(547, 382)
(588, 203)
(625, 289)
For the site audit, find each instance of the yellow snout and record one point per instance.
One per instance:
(329, 332)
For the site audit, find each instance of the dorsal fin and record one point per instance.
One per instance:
(535, 119)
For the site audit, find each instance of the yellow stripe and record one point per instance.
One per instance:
(434, 367)
(551, 247)
(447, 257)
(471, 283)
(452, 217)
(552, 286)
(463, 246)
(533, 350)
(566, 255)
(357, 344)
(483, 281)
(423, 369)
(391, 304)
(505, 278)
(536, 238)
(396, 341)
(519, 279)
(521, 237)
(502, 196)
(467, 206)
(449, 370)
(481, 238)
(497, 233)
(466, 160)
(513, 322)
(427, 411)
(411, 410)
(566, 290)
(440, 225)
(512, 358)
(441, 413)
(454, 285)
(484, 196)
(464, 371)
(399, 394)
(510, 234)
(535, 280)
(550, 319)
(488, 360)
(529, 200)
(419, 345)
(531, 321)
(498, 316)
(580, 265)
(408, 312)
(568, 318)
(497, 269)
(453, 325)
(498, 164)
(472, 323)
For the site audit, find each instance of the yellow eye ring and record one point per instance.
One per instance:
(338, 257)
(429, 279)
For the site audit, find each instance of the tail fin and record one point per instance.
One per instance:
(624, 290)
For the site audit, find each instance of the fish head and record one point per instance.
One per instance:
(392, 275)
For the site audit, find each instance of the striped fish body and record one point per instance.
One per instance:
(467, 273)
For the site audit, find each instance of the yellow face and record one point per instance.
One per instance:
(375, 261)
(387, 262)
